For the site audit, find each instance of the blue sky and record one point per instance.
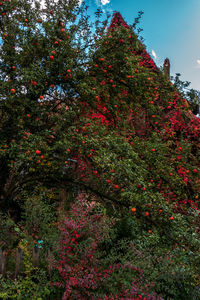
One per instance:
(171, 28)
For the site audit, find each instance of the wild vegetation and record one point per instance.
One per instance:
(99, 161)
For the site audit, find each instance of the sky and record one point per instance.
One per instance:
(171, 28)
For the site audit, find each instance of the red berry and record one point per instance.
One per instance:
(38, 152)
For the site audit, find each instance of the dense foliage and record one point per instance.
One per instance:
(99, 160)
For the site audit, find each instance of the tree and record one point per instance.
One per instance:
(43, 56)
(190, 94)
(90, 109)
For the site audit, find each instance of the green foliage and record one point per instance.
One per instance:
(86, 111)
(193, 96)
(157, 263)
(39, 216)
(32, 287)
(8, 234)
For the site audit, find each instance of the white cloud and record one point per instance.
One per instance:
(154, 54)
(104, 2)
(43, 6)
(198, 64)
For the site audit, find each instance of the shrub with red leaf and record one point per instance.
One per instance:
(78, 265)
(84, 271)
